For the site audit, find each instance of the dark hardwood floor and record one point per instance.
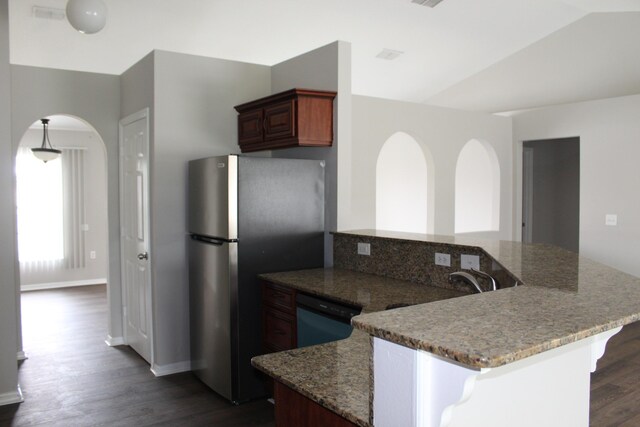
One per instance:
(615, 386)
(73, 379)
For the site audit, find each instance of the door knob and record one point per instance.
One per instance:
(143, 255)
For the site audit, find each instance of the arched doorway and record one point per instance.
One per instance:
(77, 250)
(80, 255)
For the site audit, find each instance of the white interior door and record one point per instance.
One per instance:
(134, 236)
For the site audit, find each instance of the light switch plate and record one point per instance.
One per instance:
(611, 219)
(443, 259)
(467, 262)
(364, 249)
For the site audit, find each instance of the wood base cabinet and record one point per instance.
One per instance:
(296, 410)
(295, 118)
(279, 323)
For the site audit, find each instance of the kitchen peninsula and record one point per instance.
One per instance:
(521, 353)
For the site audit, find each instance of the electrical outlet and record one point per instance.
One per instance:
(467, 262)
(443, 259)
(92, 254)
(611, 219)
(364, 249)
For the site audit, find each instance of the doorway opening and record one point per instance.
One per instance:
(62, 208)
(551, 192)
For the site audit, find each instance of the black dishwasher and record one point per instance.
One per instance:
(321, 321)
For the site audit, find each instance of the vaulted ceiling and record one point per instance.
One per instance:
(493, 55)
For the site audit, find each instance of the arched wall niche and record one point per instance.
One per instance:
(477, 188)
(404, 185)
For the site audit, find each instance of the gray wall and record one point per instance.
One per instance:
(94, 98)
(556, 192)
(322, 69)
(442, 133)
(8, 283)
(193, 118)
(609, 132)
(136, 89)
(191, 103)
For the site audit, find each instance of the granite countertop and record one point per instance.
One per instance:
(370, 292)
(336, 374)
(564, 298)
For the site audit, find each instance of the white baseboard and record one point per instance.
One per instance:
(22, 355)
(56, 285)
(114, 341)
(172, 368)
(12, 397)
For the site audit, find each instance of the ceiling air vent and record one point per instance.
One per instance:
(430, 3)
(389, 54)
(48, 13)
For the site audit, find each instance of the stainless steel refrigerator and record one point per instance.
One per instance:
(247, 215)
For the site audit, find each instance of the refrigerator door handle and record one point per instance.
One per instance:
(210, 240)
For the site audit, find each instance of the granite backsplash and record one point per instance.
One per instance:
(412, 260)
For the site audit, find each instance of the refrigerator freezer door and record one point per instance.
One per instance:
(211, 277)
(281, 228)
(213, 202)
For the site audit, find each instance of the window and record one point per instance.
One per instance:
(51, 211)
(39, 202)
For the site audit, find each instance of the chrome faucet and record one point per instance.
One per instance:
(467, 278)
(494, 284)
(471, 279)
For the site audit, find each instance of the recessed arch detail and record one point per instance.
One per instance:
(477, 188)
(404, 185)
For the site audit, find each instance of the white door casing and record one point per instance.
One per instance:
(527, 194)
(134, 235)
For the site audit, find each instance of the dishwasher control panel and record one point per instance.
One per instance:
(341, 311)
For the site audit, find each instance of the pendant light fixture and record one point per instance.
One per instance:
(43, 153)
(87, 16)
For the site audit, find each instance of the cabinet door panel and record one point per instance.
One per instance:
(293, 410)
(279, 120)
(279, 330)
(279, 297)
(250, 127)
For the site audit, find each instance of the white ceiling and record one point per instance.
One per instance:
(573, 64)
(463, 53)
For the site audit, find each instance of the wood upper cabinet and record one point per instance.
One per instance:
(279, 121)
(250, 126)
(295, 118)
